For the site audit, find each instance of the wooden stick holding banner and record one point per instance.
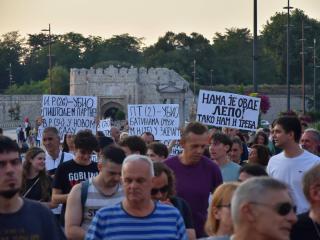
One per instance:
(228, 110)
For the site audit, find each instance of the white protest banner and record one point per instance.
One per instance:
(162, 120)
(69, 114)
(105, 126)
(228, 110)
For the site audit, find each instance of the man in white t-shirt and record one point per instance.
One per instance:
(290, 165)
(54, 154)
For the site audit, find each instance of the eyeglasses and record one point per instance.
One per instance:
(224, 205)
(282, 209)
(164, 189)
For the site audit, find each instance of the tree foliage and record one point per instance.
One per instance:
(226, 59)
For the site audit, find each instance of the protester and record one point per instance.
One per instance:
(260, 138)
(137, 216)
(21, 218)
(68, 143)
(261, 208)
(196, 175)
(36, 183)
(289, 165)
(219, 224)
(163, 189)
(54, 155)
(115, 134)
(220, 146)
(133, 145)
(259, 154)
(236, 150)
(157, 152)
(147, 137)
(251, 170)
(310, 141)
(308, 224)
(87, 198)
(77, 170)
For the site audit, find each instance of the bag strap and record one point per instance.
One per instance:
(30, 188)
(62, 158)
(84, 193)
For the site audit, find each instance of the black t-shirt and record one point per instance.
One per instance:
(184, 210)
(31, 221)
(305, 228)
(35, 191)
(71, 173)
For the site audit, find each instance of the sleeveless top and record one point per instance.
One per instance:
(96, 200)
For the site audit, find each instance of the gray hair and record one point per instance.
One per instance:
(251, 191)
(135, 158)
(315, 133)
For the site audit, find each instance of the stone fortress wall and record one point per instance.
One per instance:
(117, 87)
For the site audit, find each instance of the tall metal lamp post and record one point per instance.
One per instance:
(211, 78)
(49, 55)
(288, 7)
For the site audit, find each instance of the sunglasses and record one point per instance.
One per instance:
(164, 189)
(282, 209)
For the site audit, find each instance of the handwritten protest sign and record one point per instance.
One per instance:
(228, 110)
(162, 120)
(69, 114)
(105, 126)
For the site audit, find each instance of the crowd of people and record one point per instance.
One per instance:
(225, 184)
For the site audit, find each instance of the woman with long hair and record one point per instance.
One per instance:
(219, 224)
(36, 184)
(68, 143)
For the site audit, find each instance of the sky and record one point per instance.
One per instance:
(149, 19)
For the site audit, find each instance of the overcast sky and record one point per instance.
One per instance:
(141, 18)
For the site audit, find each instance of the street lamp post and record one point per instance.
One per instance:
(255, 57)
(211, 78)
(302, 70)
(49, 56)
(288, 58)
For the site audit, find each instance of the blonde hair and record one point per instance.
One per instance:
(221, 196)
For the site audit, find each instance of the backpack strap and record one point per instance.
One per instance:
(84, 192)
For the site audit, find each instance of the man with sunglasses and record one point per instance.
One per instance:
(270, 215)
(308, 225)
(87, 198)
(75, 171)
(21, 218)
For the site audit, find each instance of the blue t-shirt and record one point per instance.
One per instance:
(31, 221)
(165, 222)
(230, 171)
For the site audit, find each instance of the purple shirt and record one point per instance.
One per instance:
(194, 183)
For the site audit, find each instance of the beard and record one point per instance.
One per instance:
(8, 194)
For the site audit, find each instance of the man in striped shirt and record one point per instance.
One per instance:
(102, 190)
(137, 216)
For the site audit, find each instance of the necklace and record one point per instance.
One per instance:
(316, 228)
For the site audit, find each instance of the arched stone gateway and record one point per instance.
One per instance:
(110, 109)
(118, 87)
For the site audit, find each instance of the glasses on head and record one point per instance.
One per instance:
(282, 209)
(164, 189)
